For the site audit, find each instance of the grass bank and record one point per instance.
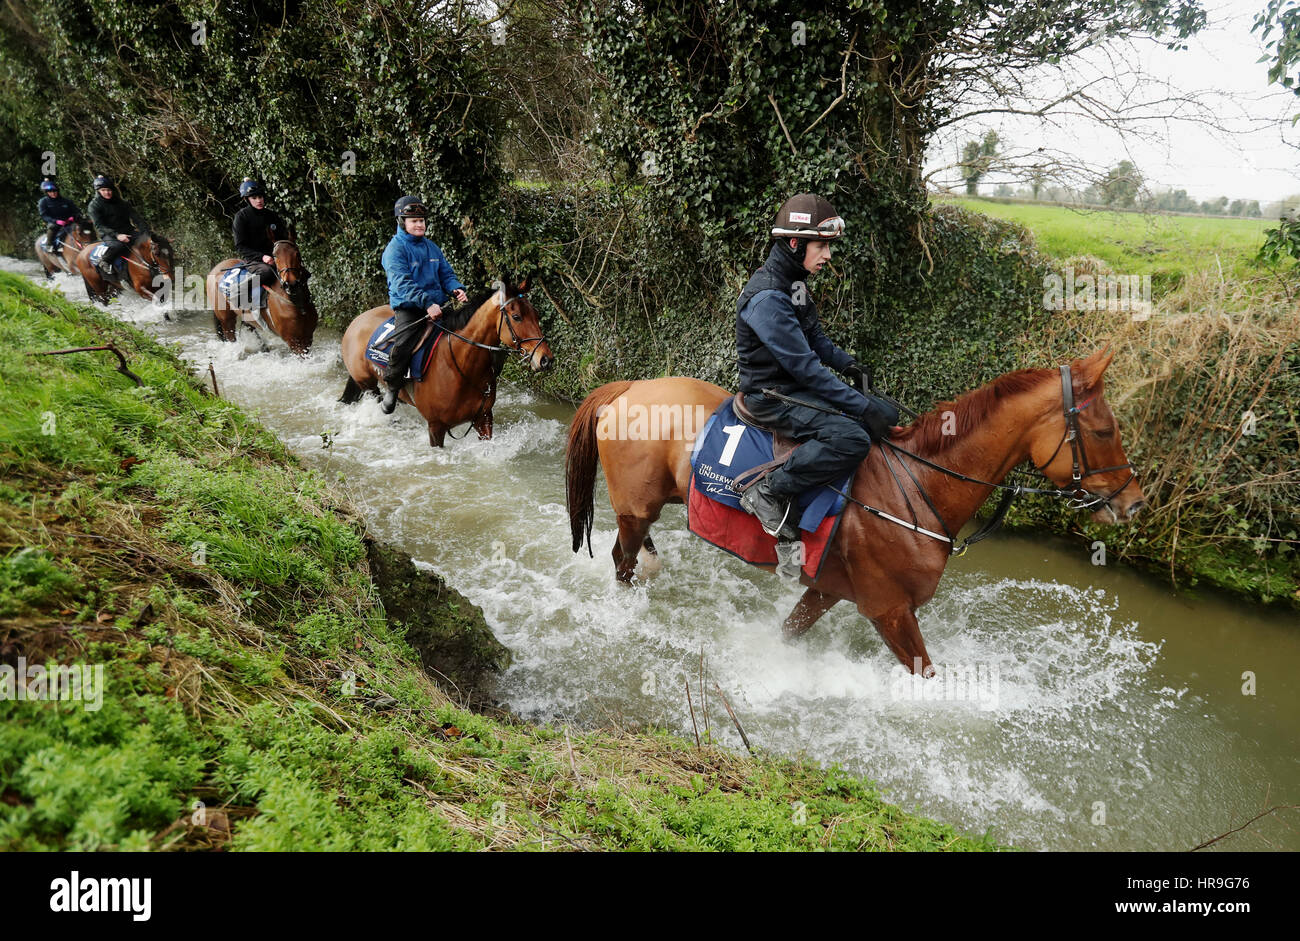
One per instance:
(262, 678)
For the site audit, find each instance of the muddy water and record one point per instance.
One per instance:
(1085, 706)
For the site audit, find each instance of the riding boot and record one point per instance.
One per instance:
(390, 396)
(772, 511)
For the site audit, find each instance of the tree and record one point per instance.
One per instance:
(1121, 185)
(1237, 208)
(976, 158)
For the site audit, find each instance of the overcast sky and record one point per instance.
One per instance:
(1254, 155)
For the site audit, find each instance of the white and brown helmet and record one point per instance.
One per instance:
(807, 217)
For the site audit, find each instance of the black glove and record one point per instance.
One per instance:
(857, 375)
(878, 417)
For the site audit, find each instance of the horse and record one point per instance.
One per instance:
(885, 567)
(290, 310)
(75, 238)
(460, 378)
(148, 264)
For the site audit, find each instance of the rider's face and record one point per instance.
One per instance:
(415, 226)
(818, 254)
(257, 202)
(106, 192)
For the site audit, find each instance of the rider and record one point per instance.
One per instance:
(781, 346)
(419, 281)
(56, 212)
(116, 221)
(256, 230)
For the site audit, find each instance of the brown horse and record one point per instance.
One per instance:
(289, 307)
(80, 234)
(460, 380)
(887, 570)
(148, 265)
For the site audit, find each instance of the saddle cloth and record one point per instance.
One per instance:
(97, 255)
(242, 289)
(381, 342)
(726, 449)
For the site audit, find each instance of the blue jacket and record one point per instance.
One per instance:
(780, 345)
(418, 272)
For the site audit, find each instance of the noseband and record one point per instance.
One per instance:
(1080, 498)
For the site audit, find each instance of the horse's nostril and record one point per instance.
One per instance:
(1134, 509)
(546, 362)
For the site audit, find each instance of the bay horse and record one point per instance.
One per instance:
(290, 311)
(149, 262)
(886, 568)
(460, 379)
(78, 235)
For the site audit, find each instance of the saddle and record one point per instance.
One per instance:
(238, 288)
(379, 347)
(782, 446)
(97, 258)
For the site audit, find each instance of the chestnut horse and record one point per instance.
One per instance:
(460, 379)
(888, 570)
(148, 264)
(78, 235)
(289, 309)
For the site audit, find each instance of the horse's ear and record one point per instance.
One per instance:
(524, 284)
(293, 232)
(1093, 367)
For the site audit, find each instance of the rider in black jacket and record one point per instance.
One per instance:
(116, 221)
(256, 230)
(781, 347)
(57, 212)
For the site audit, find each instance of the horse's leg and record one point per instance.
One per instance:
(901, 632)
(632, 532)
(437, 434)
(649, 557)
(483, 425)
(811, 606)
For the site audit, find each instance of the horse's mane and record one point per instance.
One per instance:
(458, 318)
(925, 435)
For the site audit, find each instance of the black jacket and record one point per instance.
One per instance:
(57, 211)
(114, 217)
(256, 230)
(780, 344)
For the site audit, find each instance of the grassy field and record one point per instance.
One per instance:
(256, 694)
(1165, 247)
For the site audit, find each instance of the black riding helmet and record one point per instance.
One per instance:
(104, 180)
(251, 187)
(806, 217)
(410, 207)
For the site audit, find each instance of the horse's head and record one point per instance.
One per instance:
(85, 231)
(289, 269)
(1077, 444)
(519, 327)
(298, 331)
(158, 255)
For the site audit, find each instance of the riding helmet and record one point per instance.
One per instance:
(251, 187)
(410, 207)
(49, 186)
(104, 180)
(807, 217)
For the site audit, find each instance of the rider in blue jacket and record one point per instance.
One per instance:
(781, 347)
(420, 280)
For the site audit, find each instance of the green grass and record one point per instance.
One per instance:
(256, 696)
(1163, 246)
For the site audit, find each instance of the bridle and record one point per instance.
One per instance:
(303, 273)
(517, 342)
(1079, 498)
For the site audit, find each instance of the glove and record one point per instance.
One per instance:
(878, 417)
(857, 375)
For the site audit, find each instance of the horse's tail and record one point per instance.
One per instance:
(580, 456)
